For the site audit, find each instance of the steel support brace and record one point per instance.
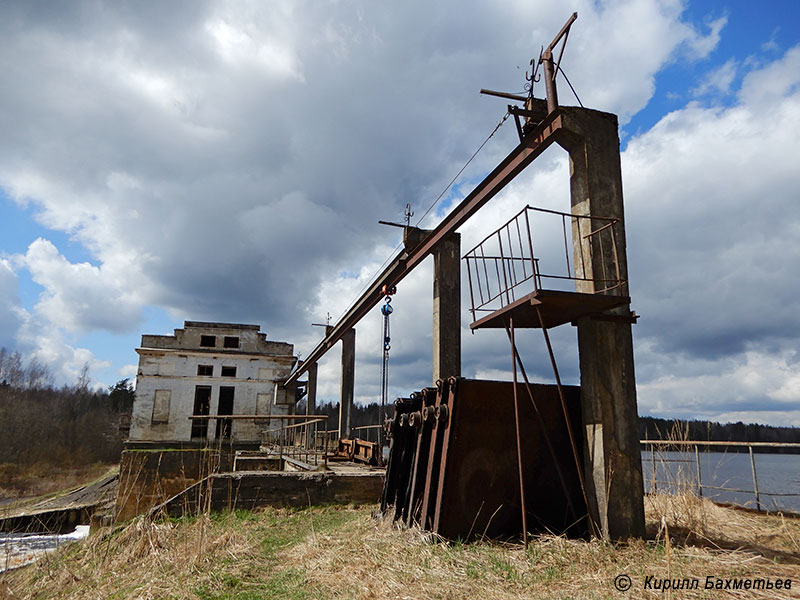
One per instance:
(510, 331)
(575, 450)
(545, 434)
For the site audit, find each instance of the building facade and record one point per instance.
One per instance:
(212, 369)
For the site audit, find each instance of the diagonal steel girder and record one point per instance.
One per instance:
(534, 143)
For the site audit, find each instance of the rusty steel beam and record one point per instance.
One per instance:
(564, 31)
(261, 417)
(506, 95)
(533, 145)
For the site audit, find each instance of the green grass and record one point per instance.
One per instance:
(274, 532)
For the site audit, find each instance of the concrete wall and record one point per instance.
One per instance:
(149, 477)
(250, 338)
(250, 490)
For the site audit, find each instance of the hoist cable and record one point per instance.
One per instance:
(471, 158)
(435, 202)
(386, 310)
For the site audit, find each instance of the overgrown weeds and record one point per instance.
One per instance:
(343, 552)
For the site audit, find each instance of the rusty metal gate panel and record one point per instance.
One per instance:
(431, 488)
(422, 429)
(403, 443)
(453, 462)
(478, 484)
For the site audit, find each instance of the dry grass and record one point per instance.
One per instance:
(26, 481)
(342, 552)
(700, 522)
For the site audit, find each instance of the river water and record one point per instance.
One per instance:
(778, 476)
(19, 549)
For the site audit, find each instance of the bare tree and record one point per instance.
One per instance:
(11, 371)
(83, 378)
(37, 375)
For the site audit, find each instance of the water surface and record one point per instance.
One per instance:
(20, 549)
(778, 476)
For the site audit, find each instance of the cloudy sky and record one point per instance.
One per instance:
(229, 161)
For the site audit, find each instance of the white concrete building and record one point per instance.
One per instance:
(209, 369)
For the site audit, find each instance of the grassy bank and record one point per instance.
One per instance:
(343, 552)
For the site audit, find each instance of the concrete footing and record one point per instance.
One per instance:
(250, 490)
(149, 477)
(187, 480)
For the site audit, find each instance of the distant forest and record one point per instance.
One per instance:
(367, 414)
(650, 428)
(75, 425)
(66, 426)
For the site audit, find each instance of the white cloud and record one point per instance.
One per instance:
(702, 45)
(38, 339)
(243, 46)
(751, 387)
(774, 82)
(12, 314)
(129, 371)
(79, 296)
(237, 151)
(718, 80)
(230, 161)
(712, 228)
(616, 72)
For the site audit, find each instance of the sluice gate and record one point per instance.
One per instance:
(453, 462)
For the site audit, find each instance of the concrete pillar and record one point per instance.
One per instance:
(311, 390)
(311, 403)
(347, 383)
(612, 456)
(447, 308)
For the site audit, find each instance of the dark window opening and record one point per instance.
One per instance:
(206, 370)
(202, 406)
(229, 371)
(224, 426)
(231, 341)
(208, 341)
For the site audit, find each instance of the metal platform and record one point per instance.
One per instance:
(556, 307)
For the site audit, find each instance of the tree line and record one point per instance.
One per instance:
(76, 425)
(63, 426)
(362, 414)
(652, 428)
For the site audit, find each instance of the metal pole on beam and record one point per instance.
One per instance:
(550, 82)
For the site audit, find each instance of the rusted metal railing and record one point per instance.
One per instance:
(303, 441)
(698, 483)
(367, 429)
(506, 259)
(285, 440)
